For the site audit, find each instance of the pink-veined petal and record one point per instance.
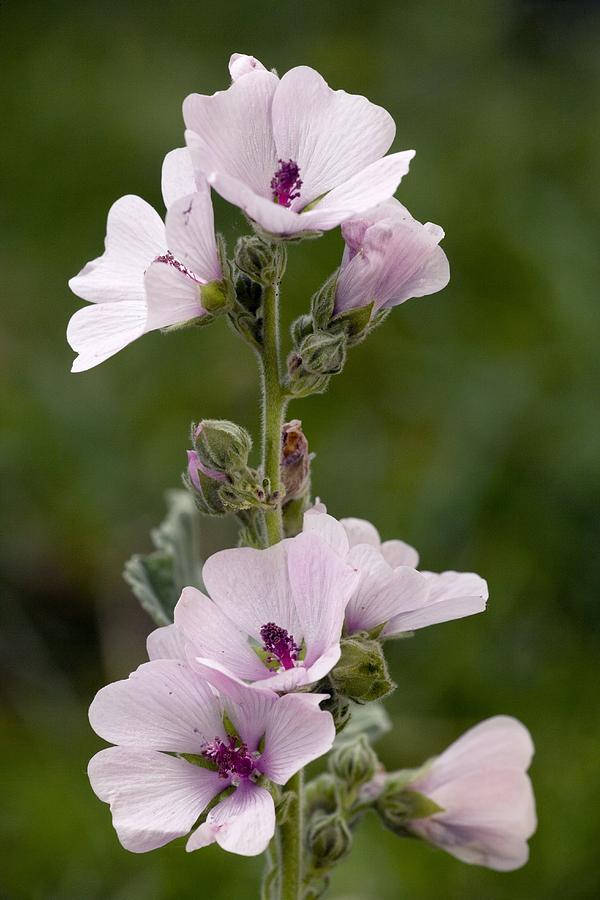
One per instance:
(397, 553)
(190, 229)
(153, 798)
(382, 592)
(98, 332)
(165, 643)
(240, 64)
(243, 823)
(319, 522)
(177, 176)
(163, 705)
(172, 296)
(331, 135)
(272, 217)
(297, 733)
(360, 531)
(135, 235)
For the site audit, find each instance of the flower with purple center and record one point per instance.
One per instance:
(486, 804)
(175, 753)
(294, 154)
(390, 592)
(389, 257)
(150, 275)
(273, 617)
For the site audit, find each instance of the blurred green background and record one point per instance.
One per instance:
(467, 425)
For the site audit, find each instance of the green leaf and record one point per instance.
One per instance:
(158, 578)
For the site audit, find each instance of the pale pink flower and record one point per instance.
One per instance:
(488, 807)
(294, 154)
(165, 711)
(150, 274)
(390, 591)
(273, 617)
(389, 257)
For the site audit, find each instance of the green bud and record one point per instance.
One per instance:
(222, 446)
(362, 673)
(354, 763)
(301, 328)
(338, 705)
(249, 294)
(214, 296)
(323, 302)
(321, 795)
(355, 322)
(263, 261)
(322, 353)
(329, 839)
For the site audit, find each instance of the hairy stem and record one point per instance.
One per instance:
(273, 407)
(291, 875)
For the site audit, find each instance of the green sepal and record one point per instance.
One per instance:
(354, 321)
(197, 760)
(361, 673)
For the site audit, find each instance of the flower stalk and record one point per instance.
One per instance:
(291, 873)
(273, 409)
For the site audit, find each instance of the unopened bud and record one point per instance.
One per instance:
(301, 328)
(322, 353)
(321, 794)
(248, 293)
(295, 460)
(262, 261)
(397, 808)
(205, 484)
(338, 705)
(222, 446)
(354, 763)
(362, 673)
(214, 296)
(329, 839)
(323, 302)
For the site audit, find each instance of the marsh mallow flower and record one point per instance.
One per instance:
(389, 257)
(273, 617)
(292, 153)
(151, 275)
(180, 744)
(390, 592)
(475, 800)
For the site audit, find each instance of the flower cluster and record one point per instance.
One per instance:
(283, 638)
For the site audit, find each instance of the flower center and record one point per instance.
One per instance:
(170, 260)
(231, 758)
(279, 645)
(286, 182)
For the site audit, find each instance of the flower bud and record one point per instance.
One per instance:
(214, 296)
(204, 484)
(329, 839)
(354, 763)
(295, 460)
(362, 674)
(339, 707)
(249, 294)
(221, 446)
(322, 353)
(262, 261)
(321, 794)
(397, 808)
(301, 328)
(323, 302)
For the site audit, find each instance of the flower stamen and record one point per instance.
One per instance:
(231, 758)
(286, 182)
(279, 645)
(171, 260)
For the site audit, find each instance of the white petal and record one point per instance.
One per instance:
(317, 521)
(240, 64)
(190, 228)
(452, 595)
(252, 588)
(163, 705)
(331, 135)
(98, 332)
(397, 553)
(154, 798)
(210, 633)
(172, 296)
(243, 823)
(382, 592)
(272, 217)
(177, 176)
(297, 733)
(232, 132)
(166, 643)
(360, 531)
(135, 235)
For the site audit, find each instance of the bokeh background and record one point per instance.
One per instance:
(468, 424)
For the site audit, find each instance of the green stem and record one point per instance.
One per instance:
(273, 407)
(291, 875)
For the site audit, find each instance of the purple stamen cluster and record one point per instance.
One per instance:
(171, 260)
(286, 182)
(231, 758)
(279, 645)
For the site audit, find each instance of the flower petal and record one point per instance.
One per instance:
(360, 531)
(321, 585)
(135, 235)
(331, 135)
(252, 587)
(210, 633)
(272, 217)
(317, 521)
(232, 133)
(166, 643)
(153, 798)
(297, 733)
(382, 592)
(241, 64)
(190, 229)
(397, 553)
(172, 296)
(177, 176)
(98, 332)
(243, 823)
(163, 705)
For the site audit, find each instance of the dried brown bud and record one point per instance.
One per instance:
(295, 461)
